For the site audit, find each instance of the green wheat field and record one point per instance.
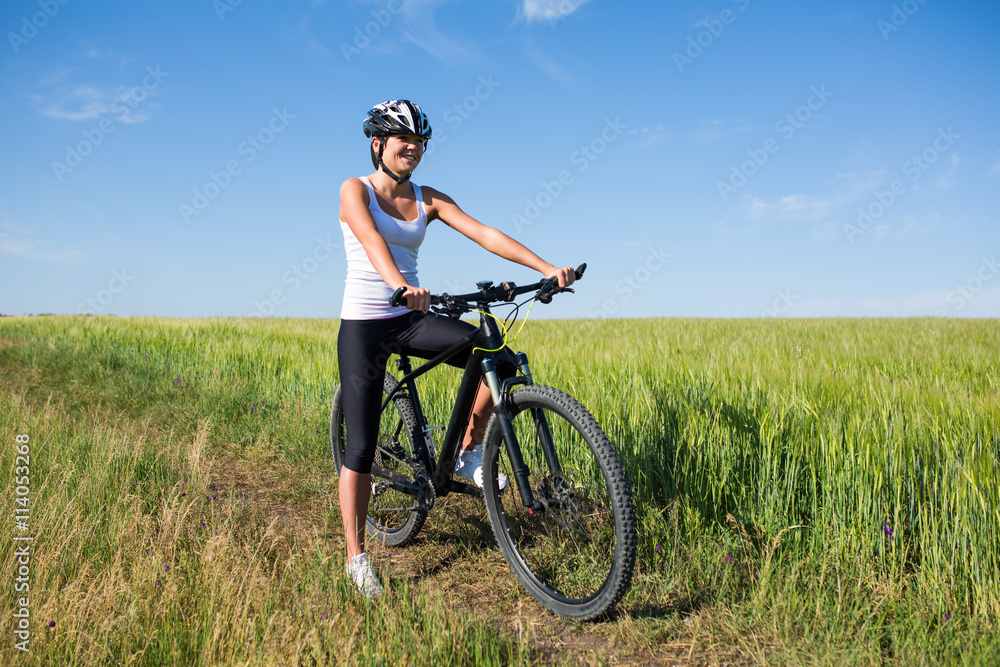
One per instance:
(809, 492)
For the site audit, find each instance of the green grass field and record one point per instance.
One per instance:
(808, 492)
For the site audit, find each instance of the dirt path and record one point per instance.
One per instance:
(455, 553)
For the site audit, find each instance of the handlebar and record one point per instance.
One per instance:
(490, 293)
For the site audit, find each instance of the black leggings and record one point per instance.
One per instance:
(363, 348)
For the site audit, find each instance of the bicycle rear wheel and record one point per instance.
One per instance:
(394, 517)
(576, 554)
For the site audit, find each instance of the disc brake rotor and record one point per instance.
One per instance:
(558, 495)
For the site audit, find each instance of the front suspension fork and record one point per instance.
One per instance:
(519, 469)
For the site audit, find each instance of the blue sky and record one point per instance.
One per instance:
(733, 158)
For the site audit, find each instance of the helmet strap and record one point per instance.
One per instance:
(381, 164)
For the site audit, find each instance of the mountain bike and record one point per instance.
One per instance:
(565, 522)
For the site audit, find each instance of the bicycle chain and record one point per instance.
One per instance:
(427, 495)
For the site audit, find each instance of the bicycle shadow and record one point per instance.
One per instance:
(457, 531)
(654, 612)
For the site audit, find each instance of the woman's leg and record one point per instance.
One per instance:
(362, 351)
(481, 410)
(355, 492)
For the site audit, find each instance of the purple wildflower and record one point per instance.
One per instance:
(322, 616)
(659, 547)
(887, 530)
(214, 496)
(166, 567)
(52, 624)
(947, 617)
(729, 559)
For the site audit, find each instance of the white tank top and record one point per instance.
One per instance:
(366, 295)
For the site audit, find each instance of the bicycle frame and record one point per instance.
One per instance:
(482, 365)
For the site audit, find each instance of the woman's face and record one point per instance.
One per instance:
(402, 152)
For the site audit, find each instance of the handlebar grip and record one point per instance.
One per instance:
(397, 297)
(579, 270)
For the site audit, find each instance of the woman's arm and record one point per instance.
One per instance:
(354, 211)
(441, 206)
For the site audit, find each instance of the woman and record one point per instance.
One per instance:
(383, 217)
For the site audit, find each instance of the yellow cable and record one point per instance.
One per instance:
(504, 328)
(524, 321)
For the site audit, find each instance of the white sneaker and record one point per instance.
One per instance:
(359, 570)
(469, 465)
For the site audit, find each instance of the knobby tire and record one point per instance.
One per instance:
(577, 555)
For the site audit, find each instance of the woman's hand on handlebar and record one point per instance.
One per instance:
(417, 298)
(564, 276)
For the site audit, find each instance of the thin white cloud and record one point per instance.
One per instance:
(59, 95)
(77, 103)
(89, 51)
(89, 102)
(792, 208)
(945, 181)
(995, 169)
(851, 185)
(650, 136)
(713, 129)
(915, 227)
(709, 129)
(808, 206)
(421, 29)
(27, 250)
(548, 10)
(305, 33)
(830, 215)
(825, 233)
(550, 67)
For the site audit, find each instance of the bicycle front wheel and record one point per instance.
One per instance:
(394, 518)
(576, 553)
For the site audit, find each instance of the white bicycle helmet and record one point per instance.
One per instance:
(395, 117)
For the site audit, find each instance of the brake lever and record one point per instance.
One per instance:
(546, 297)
